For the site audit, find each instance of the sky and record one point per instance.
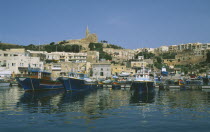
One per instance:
(128, 23)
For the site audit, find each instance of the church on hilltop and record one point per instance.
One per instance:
(84, 42)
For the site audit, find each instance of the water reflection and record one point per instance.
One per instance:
(112, 107)
(139, 97)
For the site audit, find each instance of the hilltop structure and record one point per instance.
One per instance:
(84, 42)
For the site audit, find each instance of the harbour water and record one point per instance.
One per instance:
(104, 110)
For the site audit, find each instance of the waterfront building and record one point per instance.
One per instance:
(101, 70)
(9, 53)
(20, 64)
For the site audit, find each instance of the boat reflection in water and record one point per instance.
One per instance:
(39, 98)
(142, 97)
(50, 101)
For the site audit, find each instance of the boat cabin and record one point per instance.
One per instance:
(39, 74)
(77, 75)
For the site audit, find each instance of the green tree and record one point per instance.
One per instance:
(52, 43)
(104, 55)
(208, 57)
(168, 55)
(146, 55)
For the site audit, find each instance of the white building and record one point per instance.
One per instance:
(20, 64)
(6, 55)
(101, 70)
(67, 57)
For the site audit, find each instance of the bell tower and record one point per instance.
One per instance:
(87, 32)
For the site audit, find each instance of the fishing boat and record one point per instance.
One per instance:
(77, 82)
(143, 82)
(38, 80)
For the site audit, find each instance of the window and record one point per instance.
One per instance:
(101, 74)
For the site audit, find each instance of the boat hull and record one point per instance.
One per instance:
(32, 84)
(143, 86)
(73, 84)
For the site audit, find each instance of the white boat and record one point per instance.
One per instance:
(124, 74)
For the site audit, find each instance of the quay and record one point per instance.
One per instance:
(110, 85)
(186, 87)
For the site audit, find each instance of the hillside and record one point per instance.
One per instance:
(4, 46)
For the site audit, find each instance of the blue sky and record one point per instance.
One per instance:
(129, 23)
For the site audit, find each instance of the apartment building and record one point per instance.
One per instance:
(67, 57)
(9, 53)
(21, 64)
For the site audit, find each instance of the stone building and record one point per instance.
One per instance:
(84, 42)
(117, 69)
(101, 70)
(120, 55)
(92, 56)
(161, 49)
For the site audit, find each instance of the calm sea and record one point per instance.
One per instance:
(104, 110)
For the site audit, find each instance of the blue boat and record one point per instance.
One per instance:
(77, 82)
(38, 80)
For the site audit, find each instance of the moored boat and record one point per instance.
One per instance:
(142, 82)
(77, 82)
(38, 80)
(124, 74)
